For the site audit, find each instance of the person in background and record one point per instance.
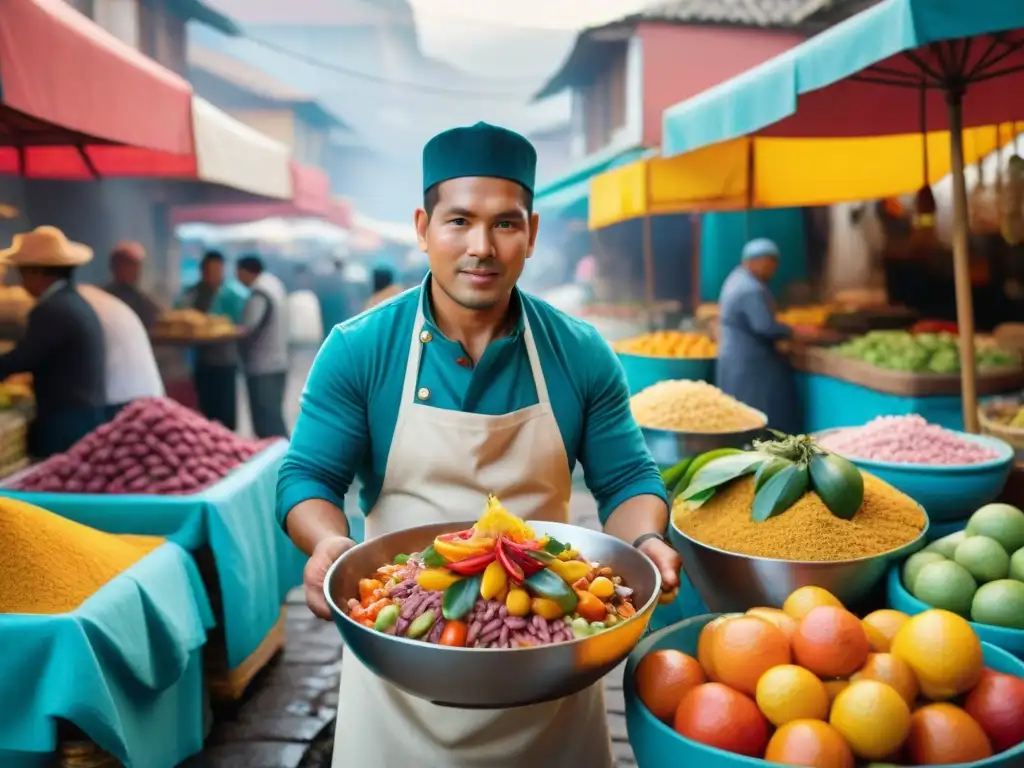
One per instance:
(384, 286)
(126, 269)
(63, 345)
(131, 369)
(264, 346)
(305, 322)
(750, 366)
(216, 365)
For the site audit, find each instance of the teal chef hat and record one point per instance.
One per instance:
(479, 150)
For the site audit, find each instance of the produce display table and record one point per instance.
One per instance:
(255, 562)
(837, 392)
(125, 669)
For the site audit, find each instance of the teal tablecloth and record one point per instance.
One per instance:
(829, 403)
(126, 668)
(256, 562)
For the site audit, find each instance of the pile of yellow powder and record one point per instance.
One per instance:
(51, 565)
(692, 406)
(886, 520)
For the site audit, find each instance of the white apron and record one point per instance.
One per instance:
(441, 466)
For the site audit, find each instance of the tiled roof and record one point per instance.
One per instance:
(753, 13)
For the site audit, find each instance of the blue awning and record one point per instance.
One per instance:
(568, 197)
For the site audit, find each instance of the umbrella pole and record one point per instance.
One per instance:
(648, 270)
(961, 265)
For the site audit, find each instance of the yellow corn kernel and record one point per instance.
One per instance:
(602, 587)
(570, 570)
(436, 579)
(546, 609)
(494, 581)
(517, 602)
(568, 554)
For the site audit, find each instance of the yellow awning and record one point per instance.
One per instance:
(779, 173)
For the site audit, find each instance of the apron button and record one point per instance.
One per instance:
(426, 337)
(423, 393)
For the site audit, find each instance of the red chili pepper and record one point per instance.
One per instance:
(515, 573)
(471, 566)
(465, 535)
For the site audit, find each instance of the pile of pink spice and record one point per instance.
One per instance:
(905, 440)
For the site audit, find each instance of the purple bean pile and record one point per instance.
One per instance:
(490, 626)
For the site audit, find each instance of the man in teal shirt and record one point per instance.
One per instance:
(459, 387)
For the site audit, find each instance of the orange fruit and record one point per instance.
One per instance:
(777, 617)
(886, 668)
(788, 692)
(881, 627)
(805, 599)
(744, 648)
(872, 717)
(704, 644)
(662, 679)
(716, 715)
(811, 743)
(943, 651)
(997, 703)
(835, 687)
(830, 642)
(943, 734)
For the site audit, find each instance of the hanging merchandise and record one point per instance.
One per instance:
(1013, 198)
(923, 220)
(983, 204)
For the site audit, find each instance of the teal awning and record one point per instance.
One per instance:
(568, 197)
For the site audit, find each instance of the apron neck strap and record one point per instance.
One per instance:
(412, 368)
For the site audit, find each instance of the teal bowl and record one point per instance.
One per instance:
(946, 492)
(1010, 640)
(656, 745)
(642, 370)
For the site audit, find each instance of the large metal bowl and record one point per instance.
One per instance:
(669, 447)
(729, 582)
(492, 678)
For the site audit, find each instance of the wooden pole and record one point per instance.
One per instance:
(648, 269)
(961, 265)
(695, 245)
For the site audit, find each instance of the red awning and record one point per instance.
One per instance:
(337, 212)
(311, 190)
(60, 68)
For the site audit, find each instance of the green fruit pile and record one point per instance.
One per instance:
(920, 352)
(977, 572)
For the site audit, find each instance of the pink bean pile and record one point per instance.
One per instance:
(152, 446)
(905, 440)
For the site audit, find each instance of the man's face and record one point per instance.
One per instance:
(245, 277)
(213, 273)
(478, 239)
(127, 270)
(34, 281)
(764, 267)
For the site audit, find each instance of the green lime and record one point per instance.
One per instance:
(915, 563)
(946, 585)
(1000, 603)
(985, 558)
(1017, 565)
(1001, 522)
(947, 545)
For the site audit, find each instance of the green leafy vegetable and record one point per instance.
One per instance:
(431, 558)
(460, 597)
(721, 471)
(780, 492)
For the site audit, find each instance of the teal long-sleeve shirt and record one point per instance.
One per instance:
(350, 404)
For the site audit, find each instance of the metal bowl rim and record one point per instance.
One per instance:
(640, 612)
(854, 561)
(1004, 449)
(678, 433)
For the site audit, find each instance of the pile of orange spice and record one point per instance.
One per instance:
(807, 531)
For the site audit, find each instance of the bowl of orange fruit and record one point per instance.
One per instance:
(663, 355)
(812, 684)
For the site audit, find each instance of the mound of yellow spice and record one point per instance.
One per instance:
(887, 520)
(51, 565)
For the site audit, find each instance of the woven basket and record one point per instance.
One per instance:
(991, 417)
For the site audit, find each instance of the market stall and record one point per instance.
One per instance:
(123, 621)
(201, 492)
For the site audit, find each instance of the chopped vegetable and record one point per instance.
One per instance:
(421, 625)
(436, 579)
(495, 580)
(454, 634)
(387, 618)
(460, 598)
(431, 558)
(472, 565)
(571, 571)
(546, 584)
(518, 602)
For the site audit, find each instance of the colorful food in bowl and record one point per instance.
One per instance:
(495, 585)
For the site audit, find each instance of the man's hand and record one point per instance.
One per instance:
(668, 562)
(323, 557)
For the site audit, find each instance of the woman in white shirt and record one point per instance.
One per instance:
(132, 371)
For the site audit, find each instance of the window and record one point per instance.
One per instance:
(119, 17)
(604, 100)
(84, 7)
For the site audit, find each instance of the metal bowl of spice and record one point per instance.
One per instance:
(736, 563)
(493, 678)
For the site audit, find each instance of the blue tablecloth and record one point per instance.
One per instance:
(125, 667)
(829, 403)
(256, 562)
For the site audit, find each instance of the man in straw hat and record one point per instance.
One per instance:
(63, 344)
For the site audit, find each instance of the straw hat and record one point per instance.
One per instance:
(45, 247)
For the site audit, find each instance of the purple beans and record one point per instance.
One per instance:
(474, 631)
(411, 603)
(515, 622)
(434, 635)
(503, 635)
